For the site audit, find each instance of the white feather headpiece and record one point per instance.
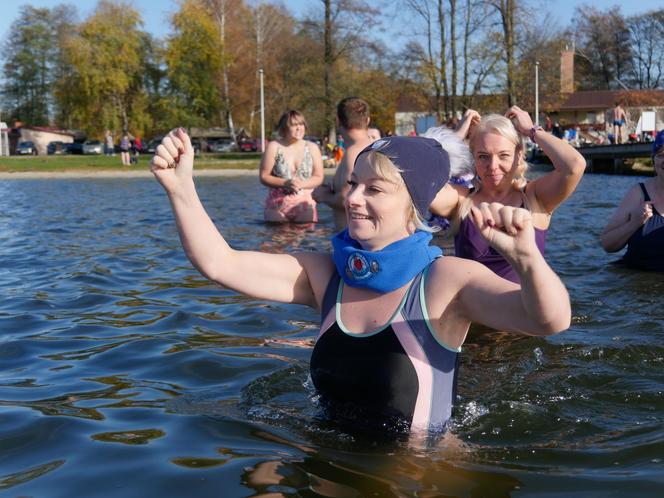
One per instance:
(461, 160)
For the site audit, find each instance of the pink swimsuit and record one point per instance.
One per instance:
(292, 206)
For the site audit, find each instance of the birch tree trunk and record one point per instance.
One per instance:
(453, 55)
(219, 8)
(443, 59)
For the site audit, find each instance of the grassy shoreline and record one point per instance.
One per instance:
(76, 163)
(208, 163)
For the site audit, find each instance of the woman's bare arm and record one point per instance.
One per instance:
(540, 306)
(553, 188)
(293, 278)
(628, 217)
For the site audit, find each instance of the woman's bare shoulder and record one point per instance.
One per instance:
(635, 193)
(451, 272)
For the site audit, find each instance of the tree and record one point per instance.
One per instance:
(31, 63)
(162, 106)
(646, 35)
(344, 27)
(106, 54)
(194, 61)
(453, 55)
(602, 41)
(271, 32)
(540, 41)
(439, 49)
(228, 15)
(506, 9)
(432, 56)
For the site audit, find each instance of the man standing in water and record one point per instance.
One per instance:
(353, 121)
(619, 119)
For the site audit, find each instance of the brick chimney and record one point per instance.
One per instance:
(567, 71)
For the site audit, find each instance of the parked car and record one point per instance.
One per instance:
(92, 147)
(315, 140)
(75, 148)
(248, 145)
(196, 145)
(26, 148)
(151, 146)
(222, 145)
(56, 147)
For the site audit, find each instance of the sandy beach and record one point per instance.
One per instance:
(117, 174)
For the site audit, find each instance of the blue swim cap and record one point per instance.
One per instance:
(424, 165)
(658, 143)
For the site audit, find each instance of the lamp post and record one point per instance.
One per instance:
(260, 72)
(4, 138)
(536, 93)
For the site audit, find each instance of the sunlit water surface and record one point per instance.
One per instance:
(124, 373)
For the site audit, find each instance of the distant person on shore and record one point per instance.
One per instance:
(571, 135)
(374, 133)
(125, 145)
(341, 142)
(109, 144)
(338, 154)
(548, 124)
(291, 167)
(136, 146)
(497, 146)
(557, 130)
(638, 222)
(619, 119)
(353, 120)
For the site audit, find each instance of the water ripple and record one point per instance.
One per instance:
(124, 370)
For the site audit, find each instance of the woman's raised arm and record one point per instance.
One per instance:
(294, 278)
(470, 119)
(539, 307)
(553, 188)
(628, 217)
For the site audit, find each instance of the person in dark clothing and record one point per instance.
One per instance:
(638, 222)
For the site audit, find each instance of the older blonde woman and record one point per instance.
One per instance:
(497, 146)
(393, 313)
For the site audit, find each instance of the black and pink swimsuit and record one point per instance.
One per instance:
(399, 376)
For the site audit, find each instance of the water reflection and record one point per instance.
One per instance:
(287, 237)
(327, 472)
(134, 436)
(119, 360)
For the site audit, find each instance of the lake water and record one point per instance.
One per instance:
(124, 373)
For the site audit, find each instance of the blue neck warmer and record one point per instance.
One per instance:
(385, 270)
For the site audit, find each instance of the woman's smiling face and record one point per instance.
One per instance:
(496, 160)
(296, 129)
(376, 208)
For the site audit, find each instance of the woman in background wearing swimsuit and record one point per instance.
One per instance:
(639, 221)
(497, 146)
(291, 167)
(393, 313)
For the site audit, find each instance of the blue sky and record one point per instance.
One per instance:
(155, 12)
